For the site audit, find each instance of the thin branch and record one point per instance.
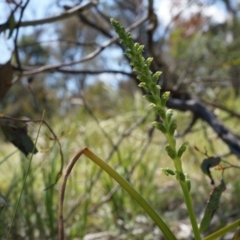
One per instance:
(6, 25)
(94, 25)
(222, 107)
(96, 72)
(17, 31)
(106, 18)
(60, 40)
(62, 193)
(77, 72)
(69, 13)
(197, 108)
(87, 57)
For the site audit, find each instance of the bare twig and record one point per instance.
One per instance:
(62, 193)
(77, 43)
(197, 108)
(77, 72)
(69, 13)
(17, 31)
(222, 107)
(95, 72)
(87, 57)
(94, 26)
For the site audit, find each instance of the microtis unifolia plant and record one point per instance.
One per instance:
(167, 125)
(158, 101)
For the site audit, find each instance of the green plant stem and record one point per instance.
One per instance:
(223, 230)
(127, 186)
(188, 200)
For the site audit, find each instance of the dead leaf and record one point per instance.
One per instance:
(209, 163)
(18, 136)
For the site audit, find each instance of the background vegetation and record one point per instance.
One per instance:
(74, 69)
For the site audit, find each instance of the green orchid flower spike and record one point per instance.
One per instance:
(157, 99)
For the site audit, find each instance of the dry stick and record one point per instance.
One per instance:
(87, 57)
(17, 31)
(196, 107)
(222, 107)
(69, 13)
(95, 72)
(57, 40)
(77, 72)
(206, 136)
(62, 193)
(35, 104)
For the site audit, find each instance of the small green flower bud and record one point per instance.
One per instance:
(168, 171)
(136, 69)
(156, 76)
(140, 48)
(180, 176)
(142, 84)
(161, 112)
(160, 127)
(148, 61)
(172, 127)
(152, 105)
(169, 114)
(136, 45)
(164, 98)
(142, 79)
(171, 152)
(150, 98)
(182, 149)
